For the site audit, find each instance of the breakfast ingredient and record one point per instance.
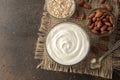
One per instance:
(103, 21)
(81, 2)
(92, 26)
(102, 1)
(103, 47)
(91, 15)
(111, 20)
(89, 22)
(99, 24)
(103, 32)
(60, 8)
(87, 6)
(108, 24)
(67, 43)
(76, 14)
(94, 31)
(109, 28)
(99, 13)
(103, 28)
(82, 16)
(108, 7)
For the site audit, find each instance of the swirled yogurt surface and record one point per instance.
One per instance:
(67, 43)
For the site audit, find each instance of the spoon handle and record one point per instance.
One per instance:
(116, 45)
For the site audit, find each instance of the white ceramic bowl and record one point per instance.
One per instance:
(71, 13)
(67, 43)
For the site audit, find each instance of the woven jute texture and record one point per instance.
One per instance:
(83, 67)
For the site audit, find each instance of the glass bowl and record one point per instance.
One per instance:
(67, 43)
(108, 12)
(71, 13)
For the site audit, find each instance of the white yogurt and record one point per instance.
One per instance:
(67, 43)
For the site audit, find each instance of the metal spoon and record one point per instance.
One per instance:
(96, 63)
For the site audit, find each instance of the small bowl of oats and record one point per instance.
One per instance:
(61, 8)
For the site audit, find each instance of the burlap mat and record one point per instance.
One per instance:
(83, 67)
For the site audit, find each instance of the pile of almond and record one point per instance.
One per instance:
(100, 21)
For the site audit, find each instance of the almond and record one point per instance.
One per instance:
(92, 15)
(103, 16)
(89, 22)
(102, 1)
(94, 19)
(96, 28)
(109, 7)
(98, 19)
(98, 13)
(109, 28)
(82, 16)
(105, 20)
(107, 16)
(81, 2)
(99, 24)
(96, 23)
(108, 24)
(105, 38)
(87, 6)
(103, 28)
(104, 32)
(91, 26)
(76, 14)
(103, 47)
(94, 31)
(111, 20)
(103, 7)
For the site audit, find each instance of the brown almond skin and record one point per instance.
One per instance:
(96, 23)
(76, 14)
(102, 17)
(102, 1)
(103, 47)
(98, 19)
(105, 20)
(104, 32)
(81, 2)
(96, 28)
(109, 7)
(91, 26)
(109, 28)
(89, 22)
(94, 31)
(104, 7)
(94, 19)
(99, 24)
(111, 20)
(87, 6)
(103, 28)
(92, 15)
(99, 13)
(82, 16)
(108, 24)
(107, 16)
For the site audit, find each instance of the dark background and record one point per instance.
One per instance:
(19, 23)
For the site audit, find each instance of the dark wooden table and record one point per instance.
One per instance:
(19, 23)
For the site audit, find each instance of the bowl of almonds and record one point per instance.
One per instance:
(100, 21)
